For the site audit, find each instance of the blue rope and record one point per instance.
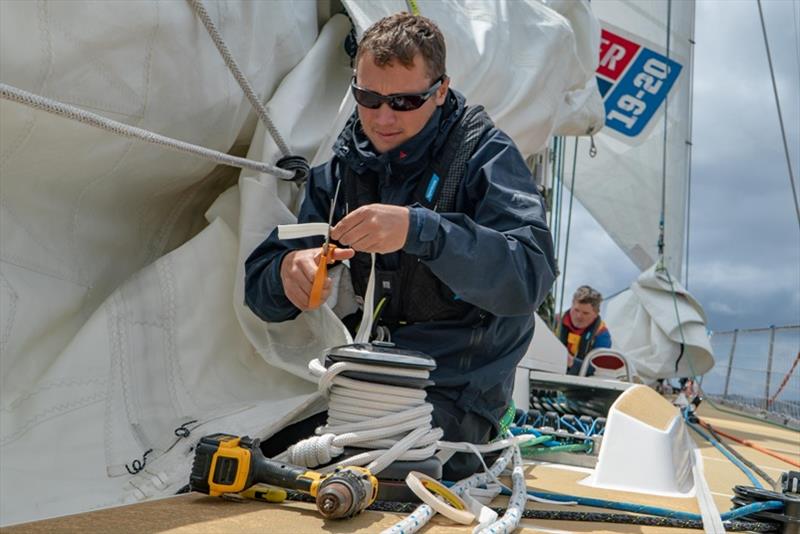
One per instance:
(653, 510)
(724, 451)
(591, 429)
(743, 511)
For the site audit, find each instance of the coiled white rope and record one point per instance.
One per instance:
(233, 66)
(393, 421)
(67, 111)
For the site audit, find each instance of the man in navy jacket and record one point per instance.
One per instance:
(464, 282)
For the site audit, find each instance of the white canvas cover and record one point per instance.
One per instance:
(621, 186)
(651, 320)
(121, 313)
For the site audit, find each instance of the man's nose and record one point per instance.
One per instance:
(385, 114)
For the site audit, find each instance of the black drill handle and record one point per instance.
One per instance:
(281, 474)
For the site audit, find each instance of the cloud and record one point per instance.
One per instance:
(721, 307)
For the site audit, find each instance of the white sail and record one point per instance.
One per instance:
(622, 186)
(120, 280)
(661, 327)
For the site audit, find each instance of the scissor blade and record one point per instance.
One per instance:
(330, 218)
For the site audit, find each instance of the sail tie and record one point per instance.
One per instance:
(67, 111)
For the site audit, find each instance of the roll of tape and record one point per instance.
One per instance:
(434, 494)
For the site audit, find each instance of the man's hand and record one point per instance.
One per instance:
(380, 228)
(297, 274)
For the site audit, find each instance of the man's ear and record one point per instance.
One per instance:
(441, 92)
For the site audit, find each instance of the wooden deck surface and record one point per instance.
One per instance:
(200, 514)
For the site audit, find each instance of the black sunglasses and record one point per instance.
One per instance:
(398, 102)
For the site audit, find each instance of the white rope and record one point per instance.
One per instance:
(516, 504)
(420, 517)
(67, 111)
(465, 488)
(233, 66)
(395, 422)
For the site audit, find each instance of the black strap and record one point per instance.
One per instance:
(439, 187)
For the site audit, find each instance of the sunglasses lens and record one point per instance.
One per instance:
(366, 98)
(406, 103)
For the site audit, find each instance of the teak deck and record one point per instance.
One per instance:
(195, 513)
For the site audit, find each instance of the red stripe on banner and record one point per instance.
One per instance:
(615, 54)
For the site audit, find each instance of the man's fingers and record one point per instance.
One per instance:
(343, 254)
(308, 269)
(366, 243)
(349, 222)
(297, 296)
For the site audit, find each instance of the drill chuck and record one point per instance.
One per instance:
(346, 492)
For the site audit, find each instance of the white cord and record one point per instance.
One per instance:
(420, 517)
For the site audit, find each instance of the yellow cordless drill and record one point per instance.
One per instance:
(230, 464)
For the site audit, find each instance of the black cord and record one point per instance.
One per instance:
(137, 465)
(753, 467)
(182, 431)
(563, 515)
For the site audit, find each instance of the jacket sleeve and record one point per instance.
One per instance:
(263, 290)
(501, 258)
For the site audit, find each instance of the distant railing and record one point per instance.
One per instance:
(757, 369)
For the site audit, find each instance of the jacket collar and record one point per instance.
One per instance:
(357, 151)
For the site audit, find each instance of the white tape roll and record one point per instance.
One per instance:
(431, 492)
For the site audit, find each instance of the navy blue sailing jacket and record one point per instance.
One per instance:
(495, 252)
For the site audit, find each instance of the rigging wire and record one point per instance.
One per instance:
(780, 114)
(569, 225)
(785, 379)
(796, 36)
(558, 189)
(689, 155)
(661, 221)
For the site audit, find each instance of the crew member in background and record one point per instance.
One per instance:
(581, 329)
(464, 254)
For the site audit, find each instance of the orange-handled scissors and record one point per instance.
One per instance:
(326, 257)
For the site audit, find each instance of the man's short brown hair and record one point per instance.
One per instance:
(588, 295)
(402, 36)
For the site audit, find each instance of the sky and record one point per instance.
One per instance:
(744, 239)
